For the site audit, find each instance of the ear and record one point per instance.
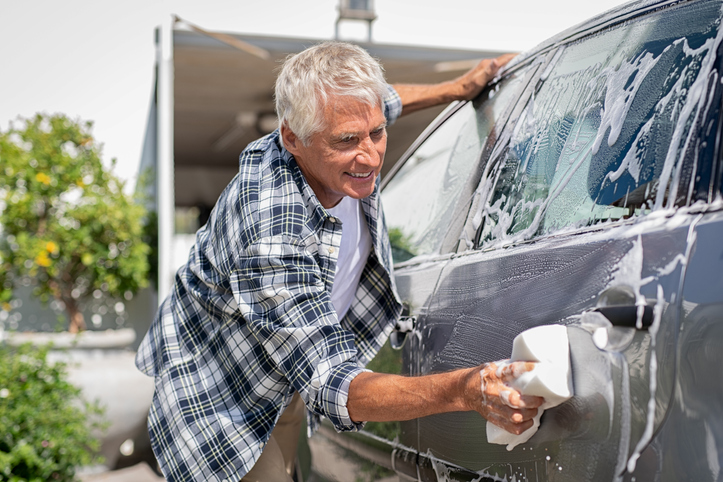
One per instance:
(291, 142)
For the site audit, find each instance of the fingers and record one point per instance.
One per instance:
(496, 393)
(472, 82)
(516, 416)
(510, 404)
(504, 59)
(514, 399)
(509, 371)
(530, 401)
(497, 63)
(506, 372)
(503, 405)
(515, 428)
(503, 414)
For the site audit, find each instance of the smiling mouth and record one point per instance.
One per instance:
(360, 175)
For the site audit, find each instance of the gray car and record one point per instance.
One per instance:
(583, 188)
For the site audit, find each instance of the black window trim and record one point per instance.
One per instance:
(461, 213)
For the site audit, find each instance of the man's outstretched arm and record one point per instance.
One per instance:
(468, 86)
(379, 397)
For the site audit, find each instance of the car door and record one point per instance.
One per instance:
(426, 202)
(581, 220)
(689, 444)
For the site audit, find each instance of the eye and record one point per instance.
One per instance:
(378, 133)
(347, 140)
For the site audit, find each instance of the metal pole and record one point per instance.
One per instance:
(166, 198)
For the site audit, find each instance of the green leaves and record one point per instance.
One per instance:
(46, 429)
(68, 227)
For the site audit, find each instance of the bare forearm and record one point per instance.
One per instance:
(417, 97)
(467, 86)
(379, 397)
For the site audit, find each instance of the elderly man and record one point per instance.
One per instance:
(289, 291)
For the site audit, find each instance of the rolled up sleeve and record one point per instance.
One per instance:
(336, 394)
(392, 105)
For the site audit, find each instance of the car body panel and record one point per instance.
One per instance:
(689, 445)
(485, 299)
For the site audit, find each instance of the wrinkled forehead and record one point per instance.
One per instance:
(344, 110)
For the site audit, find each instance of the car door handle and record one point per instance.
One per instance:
(405, 324)
(627, 315)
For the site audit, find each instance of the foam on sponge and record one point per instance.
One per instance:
(551, 378)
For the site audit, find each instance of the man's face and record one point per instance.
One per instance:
(345, 158)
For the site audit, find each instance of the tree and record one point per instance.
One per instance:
(68, 228)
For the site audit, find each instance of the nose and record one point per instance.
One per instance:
(371, 153)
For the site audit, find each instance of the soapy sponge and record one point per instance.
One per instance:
(551, 378)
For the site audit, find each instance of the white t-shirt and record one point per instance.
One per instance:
(356, 243)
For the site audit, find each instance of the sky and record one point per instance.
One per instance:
(94, 59)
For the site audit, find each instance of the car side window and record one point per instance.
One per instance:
(605, 136)
(419, 201)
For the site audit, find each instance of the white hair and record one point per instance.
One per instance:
(308, 79)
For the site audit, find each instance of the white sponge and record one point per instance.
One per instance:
(551, 378)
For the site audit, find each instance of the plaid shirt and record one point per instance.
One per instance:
(250, 320)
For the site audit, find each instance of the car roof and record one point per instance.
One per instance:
(610, 17)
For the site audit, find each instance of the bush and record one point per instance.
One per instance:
(45, 426)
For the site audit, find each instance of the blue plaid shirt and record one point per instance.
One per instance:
(250, 320)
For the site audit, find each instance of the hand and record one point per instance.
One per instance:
(502, 405)
(472, 83)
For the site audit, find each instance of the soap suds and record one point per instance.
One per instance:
(650, 418)
(618, 99)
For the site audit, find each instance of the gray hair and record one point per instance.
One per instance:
(308, 79)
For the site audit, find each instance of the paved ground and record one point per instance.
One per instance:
(330, 463)
(138, 473)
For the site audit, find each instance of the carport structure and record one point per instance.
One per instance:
(214, 95)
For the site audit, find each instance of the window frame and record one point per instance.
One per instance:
(451, 240)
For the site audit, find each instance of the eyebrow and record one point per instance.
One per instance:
(344, 136)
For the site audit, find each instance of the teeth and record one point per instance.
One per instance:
(361, 174)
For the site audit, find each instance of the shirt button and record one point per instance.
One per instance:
(331, 250)
(332, 219)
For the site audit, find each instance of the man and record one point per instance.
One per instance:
(289, 291)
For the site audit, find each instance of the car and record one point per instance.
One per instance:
(582, 188)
